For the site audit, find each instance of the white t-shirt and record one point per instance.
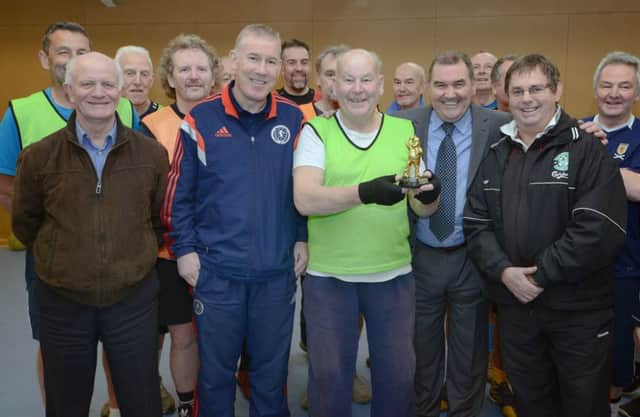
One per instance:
(310, 152)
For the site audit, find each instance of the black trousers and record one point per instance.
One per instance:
(69, 335)
(558, 362)
(448, 284)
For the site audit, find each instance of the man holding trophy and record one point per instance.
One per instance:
(345, 180)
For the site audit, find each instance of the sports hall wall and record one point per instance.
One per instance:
(573, 33)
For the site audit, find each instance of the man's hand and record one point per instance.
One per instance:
(301, 257)
(189, 268)
(594, 129)
(382, 190)
(636, 335)
(517, 280)
(429, 193)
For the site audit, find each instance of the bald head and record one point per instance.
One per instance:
(359, 83)
(408, 85)
(361, 55)
(93, 60)
(482, 63)
(93, 82)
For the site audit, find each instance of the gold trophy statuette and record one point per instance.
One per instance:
(411, 176)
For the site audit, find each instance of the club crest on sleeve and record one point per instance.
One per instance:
(280, 134)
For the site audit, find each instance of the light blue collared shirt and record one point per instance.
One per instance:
(394, 106)
(98, 155)
(462, 139)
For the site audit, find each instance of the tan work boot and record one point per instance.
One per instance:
(361, 392)
(104, 411)
(168, 403)
(444, 401)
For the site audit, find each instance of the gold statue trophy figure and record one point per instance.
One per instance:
(411, 176)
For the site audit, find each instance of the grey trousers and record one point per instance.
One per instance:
(448, 284)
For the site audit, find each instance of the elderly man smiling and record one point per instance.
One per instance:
(344, 180)
(87, 202)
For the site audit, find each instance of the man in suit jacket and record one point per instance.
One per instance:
(446, 280)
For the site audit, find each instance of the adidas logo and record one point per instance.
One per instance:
(223, 132)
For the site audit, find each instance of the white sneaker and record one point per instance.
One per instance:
(615, 408)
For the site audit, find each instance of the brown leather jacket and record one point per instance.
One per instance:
(91, 244)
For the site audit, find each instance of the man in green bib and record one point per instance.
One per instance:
(345, 169)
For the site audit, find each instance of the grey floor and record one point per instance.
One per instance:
(19, 395)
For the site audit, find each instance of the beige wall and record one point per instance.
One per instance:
(574, 33)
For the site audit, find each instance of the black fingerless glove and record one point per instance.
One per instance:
(381, 190)
(428, 197)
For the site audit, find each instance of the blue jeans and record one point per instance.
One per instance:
(229, 310)
(331, 309)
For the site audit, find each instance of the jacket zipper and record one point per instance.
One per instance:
(99, 196)
(101, 233)
(251, 265)
(519, 188)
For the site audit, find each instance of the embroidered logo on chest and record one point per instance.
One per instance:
(280, 134)
(561, 166)
(621, 150)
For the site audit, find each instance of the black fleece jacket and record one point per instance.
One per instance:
(560, 206)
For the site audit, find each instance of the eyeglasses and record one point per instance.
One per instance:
(534, 90)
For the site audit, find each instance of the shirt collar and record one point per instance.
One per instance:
(462, 124)
(83, 137)
(511, 129)
(628, 124)
(233, 108)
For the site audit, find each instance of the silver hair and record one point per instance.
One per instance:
(257, 29)
(334, 51)
(133, 49)
(618, 57)
(68, 73)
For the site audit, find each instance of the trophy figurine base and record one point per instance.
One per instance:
(412, 182)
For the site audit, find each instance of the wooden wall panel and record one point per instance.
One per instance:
(396, 41)
(490, 33)
(449, 8)
(202, 11)
(19, 64)
(41, 12)
(108, 38)
(504, 35)
(591, 37)
(142, 11)
(373, 9)
(251, 11)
